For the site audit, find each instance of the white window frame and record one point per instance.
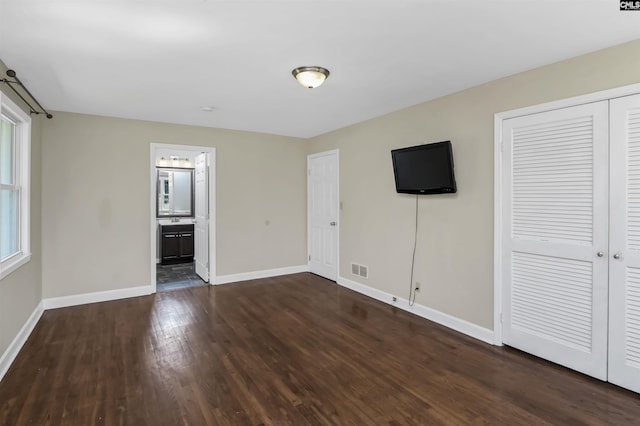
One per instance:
(22, 164)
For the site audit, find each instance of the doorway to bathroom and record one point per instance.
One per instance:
(182, 216)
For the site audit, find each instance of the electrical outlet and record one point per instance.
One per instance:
(417, 286)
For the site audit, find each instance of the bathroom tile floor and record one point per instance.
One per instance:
(180, 275)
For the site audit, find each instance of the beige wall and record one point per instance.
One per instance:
(454, 260)
(21, 291)
(95, 205)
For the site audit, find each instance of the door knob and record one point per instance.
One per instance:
(333, 223)
(600, 254)
(617, 255)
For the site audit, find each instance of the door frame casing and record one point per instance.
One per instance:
(335, 152)
(498, 222)
(153, 148)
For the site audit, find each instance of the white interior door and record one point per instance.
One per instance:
(555, 214)
(624, 252)
(322, 187)
(201, 239)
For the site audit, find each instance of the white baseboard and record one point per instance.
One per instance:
(99, 296)
(441, 318)
(245, 276)
(21, 338)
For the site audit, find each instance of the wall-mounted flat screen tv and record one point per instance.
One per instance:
(424, 169)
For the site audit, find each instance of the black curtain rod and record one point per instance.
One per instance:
(16, 80)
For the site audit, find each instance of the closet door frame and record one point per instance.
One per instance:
(498, 182)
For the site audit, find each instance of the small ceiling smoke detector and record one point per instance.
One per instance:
(310, 77)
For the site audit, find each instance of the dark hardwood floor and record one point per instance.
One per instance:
(293, 350)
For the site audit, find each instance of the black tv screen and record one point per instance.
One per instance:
(424, 169)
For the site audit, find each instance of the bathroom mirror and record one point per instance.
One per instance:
(174, 192)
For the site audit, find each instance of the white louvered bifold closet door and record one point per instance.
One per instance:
(624, 252)
(555, 193)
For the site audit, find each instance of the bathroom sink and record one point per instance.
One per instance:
(173, 221)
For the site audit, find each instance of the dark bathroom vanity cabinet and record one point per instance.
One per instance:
(176, 243)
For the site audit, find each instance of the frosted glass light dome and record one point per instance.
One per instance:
(310, 77)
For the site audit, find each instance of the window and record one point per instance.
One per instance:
(15, 159)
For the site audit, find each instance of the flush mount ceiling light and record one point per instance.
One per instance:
(310, 77)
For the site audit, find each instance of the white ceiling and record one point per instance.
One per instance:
(163, 60)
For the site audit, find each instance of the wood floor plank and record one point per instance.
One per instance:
(291, 350)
